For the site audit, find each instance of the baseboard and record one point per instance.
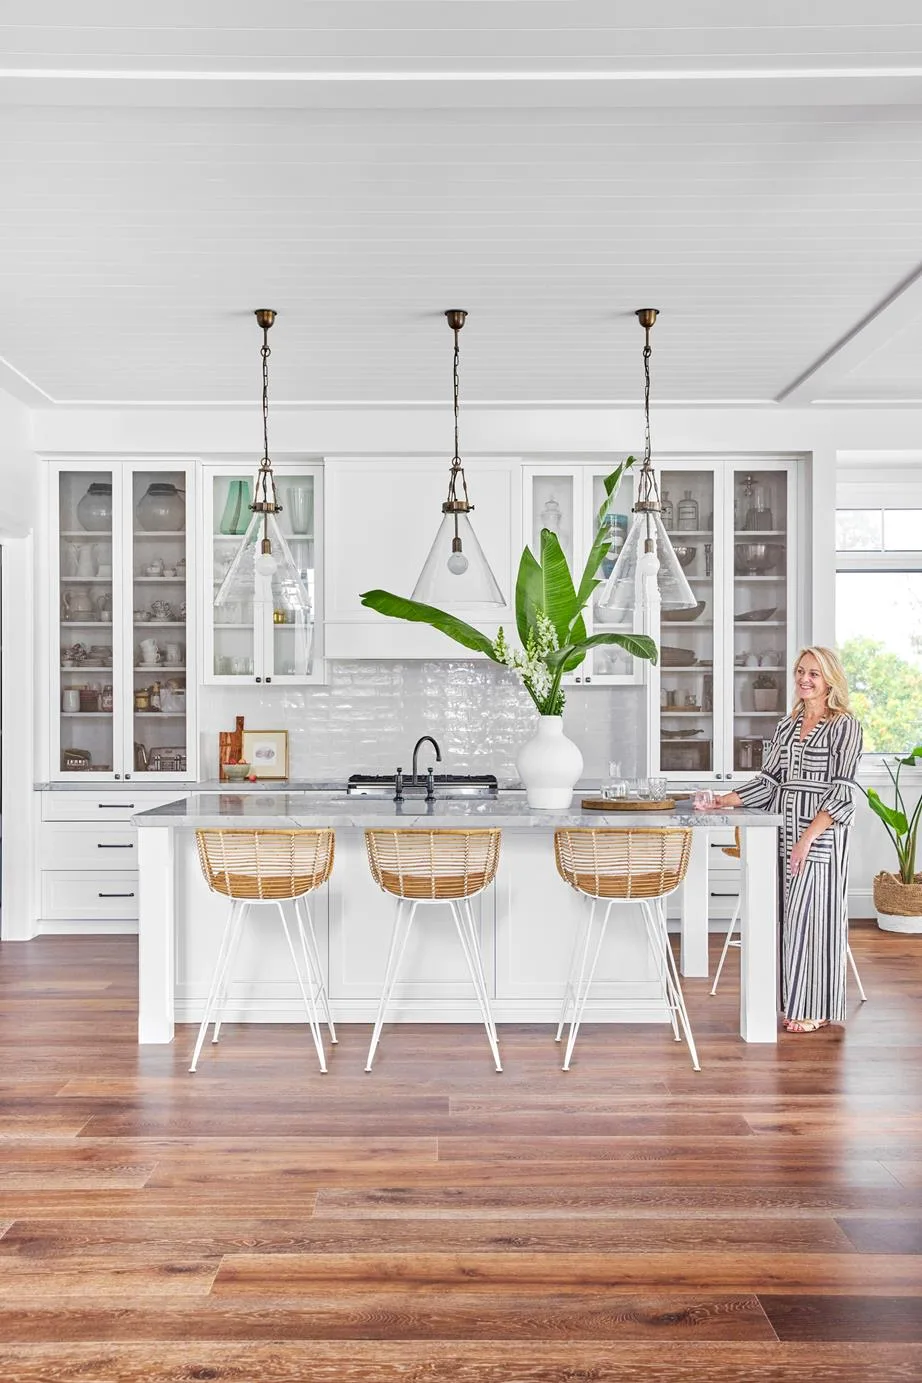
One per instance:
(99, 927)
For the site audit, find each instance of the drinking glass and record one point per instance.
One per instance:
(614, 790)
(704, 798)
(658, 789)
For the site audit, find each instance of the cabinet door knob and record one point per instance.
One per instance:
(259, 679)
(268, 679)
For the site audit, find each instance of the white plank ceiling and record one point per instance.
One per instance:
(158, 181)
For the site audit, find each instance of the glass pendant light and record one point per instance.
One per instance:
(263, 570)
(456, 572)
(647, 571)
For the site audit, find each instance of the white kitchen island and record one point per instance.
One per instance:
(527, 919)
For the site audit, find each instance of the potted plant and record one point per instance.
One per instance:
(765, 692)
(553, 640)
(898, 897)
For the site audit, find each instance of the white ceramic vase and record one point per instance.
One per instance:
(549, 765)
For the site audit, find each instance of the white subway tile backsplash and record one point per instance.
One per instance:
(370, 714)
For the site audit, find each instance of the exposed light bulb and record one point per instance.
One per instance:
(265, 564)
(458, 563)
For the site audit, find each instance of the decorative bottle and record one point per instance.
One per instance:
(236, 516)
(688, 513)
(668, 511)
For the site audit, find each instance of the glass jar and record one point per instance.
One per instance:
(161, 509)
(668, 511)
(105, 700)
(94, 512)
(688, 513)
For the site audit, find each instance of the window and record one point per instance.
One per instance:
(879, 622)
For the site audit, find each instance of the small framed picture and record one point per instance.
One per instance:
(266, 751)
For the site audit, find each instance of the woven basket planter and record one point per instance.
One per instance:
(898, 905)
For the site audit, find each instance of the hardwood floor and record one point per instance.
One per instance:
(629, 1220)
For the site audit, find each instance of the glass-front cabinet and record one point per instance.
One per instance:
(567, 500)
(724, 671)
(121, 653)
(249, 642)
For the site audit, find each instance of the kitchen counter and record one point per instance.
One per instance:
(509, 810)
(527, 919)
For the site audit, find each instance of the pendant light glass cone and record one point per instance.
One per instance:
(253, 577)
(623, 589)
(450, 577)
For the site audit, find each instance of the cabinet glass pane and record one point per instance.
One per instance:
(86, 646)
(760, 555)
(234, 639)
(552, 507)
(292, 637)
(610, 661)
(158, 518)
(687, 636)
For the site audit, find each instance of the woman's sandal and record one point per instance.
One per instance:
(805, 1024)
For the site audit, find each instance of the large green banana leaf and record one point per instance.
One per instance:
(602, 541)
(639, 645)
(529, 593)
(896, 820)
(399, 607)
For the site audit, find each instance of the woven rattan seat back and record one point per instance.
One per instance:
(265, 864)
(735, 850)
(433, 865)
(641, 862)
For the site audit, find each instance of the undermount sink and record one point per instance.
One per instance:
(444, 785)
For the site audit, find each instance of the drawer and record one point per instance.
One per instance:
(100, 806)
(77, 846)
(82, 896)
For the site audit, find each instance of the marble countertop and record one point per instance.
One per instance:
(291, 810)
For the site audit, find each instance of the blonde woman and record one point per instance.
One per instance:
(808, 777)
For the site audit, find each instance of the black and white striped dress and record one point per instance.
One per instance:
(798, 779)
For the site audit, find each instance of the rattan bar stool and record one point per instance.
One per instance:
(278, 869)
(640, 865)
(424, 867)
(735, 852)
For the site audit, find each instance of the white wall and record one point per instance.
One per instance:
(17, 467)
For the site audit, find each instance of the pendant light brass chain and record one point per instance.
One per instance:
(647, 490)
(266, 500)
(265, 352)
(454, 503)
(647, 352)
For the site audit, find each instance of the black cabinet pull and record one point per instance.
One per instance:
(115, 806)
(113, 847)
(115, 895)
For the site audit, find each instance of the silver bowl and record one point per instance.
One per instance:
(754, 559)
(685, 554)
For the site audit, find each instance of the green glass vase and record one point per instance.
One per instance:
(236, 514)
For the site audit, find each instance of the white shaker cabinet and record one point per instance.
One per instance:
(382, 515)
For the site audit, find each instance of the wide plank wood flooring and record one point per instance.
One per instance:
(435, 1222)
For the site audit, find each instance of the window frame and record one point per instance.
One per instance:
(871, 768)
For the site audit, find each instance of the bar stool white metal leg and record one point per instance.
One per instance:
(260, 868)
(421, 868)
(609, 866)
